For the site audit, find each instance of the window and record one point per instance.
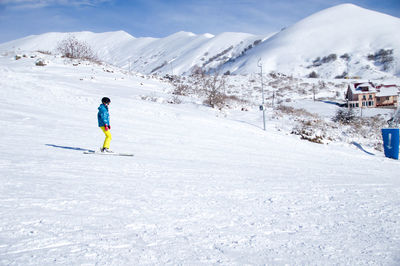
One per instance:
(364, 98)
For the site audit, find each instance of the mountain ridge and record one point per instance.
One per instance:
(346, 33)
(311, 37)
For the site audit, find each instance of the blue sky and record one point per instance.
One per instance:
(160, 18)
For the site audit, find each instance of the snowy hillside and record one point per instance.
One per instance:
(178, 53)
(331, 42)
(201, 189)
(342, 41)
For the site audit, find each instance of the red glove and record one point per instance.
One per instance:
(106, 127)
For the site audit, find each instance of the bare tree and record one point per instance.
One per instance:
(72, 48)
(210, 87)
(213, 86)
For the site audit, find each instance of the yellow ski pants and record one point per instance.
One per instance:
(108, 138)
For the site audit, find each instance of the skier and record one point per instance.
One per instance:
(103, 118)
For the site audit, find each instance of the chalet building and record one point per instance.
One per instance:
(369, 95)
(387, 96)
(361, 95)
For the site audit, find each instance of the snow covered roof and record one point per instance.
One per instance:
(361, 85)
(366, 87)
(390, 91)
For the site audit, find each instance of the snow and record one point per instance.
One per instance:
(202, 188)
(347, 32)
(323, 108)
(368, 88)
(390, 91)
(175, 54)
(343, 29)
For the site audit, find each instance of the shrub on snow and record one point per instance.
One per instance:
(74, 49)
(41, 62)
(344, 116)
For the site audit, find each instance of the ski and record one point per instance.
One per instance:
(108, 153)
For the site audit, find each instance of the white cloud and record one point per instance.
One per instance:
(31, 4)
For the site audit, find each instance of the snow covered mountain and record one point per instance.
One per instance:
(178, 53)
(342, 41)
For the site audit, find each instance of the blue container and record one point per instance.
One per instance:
(391, 141)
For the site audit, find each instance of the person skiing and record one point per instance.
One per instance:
(103, 118)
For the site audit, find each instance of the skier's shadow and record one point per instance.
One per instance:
(69, 148)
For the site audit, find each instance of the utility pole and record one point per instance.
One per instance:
(313, 92)
(262, 107)
(273, 97)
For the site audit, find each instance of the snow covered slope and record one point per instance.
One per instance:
(345, 40)
(201, 189)
(349, 32)
(102, 43)
(178, 53)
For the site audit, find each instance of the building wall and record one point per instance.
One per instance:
(387, 101)
(366, 100)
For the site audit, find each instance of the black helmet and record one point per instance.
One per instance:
(105, 100)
